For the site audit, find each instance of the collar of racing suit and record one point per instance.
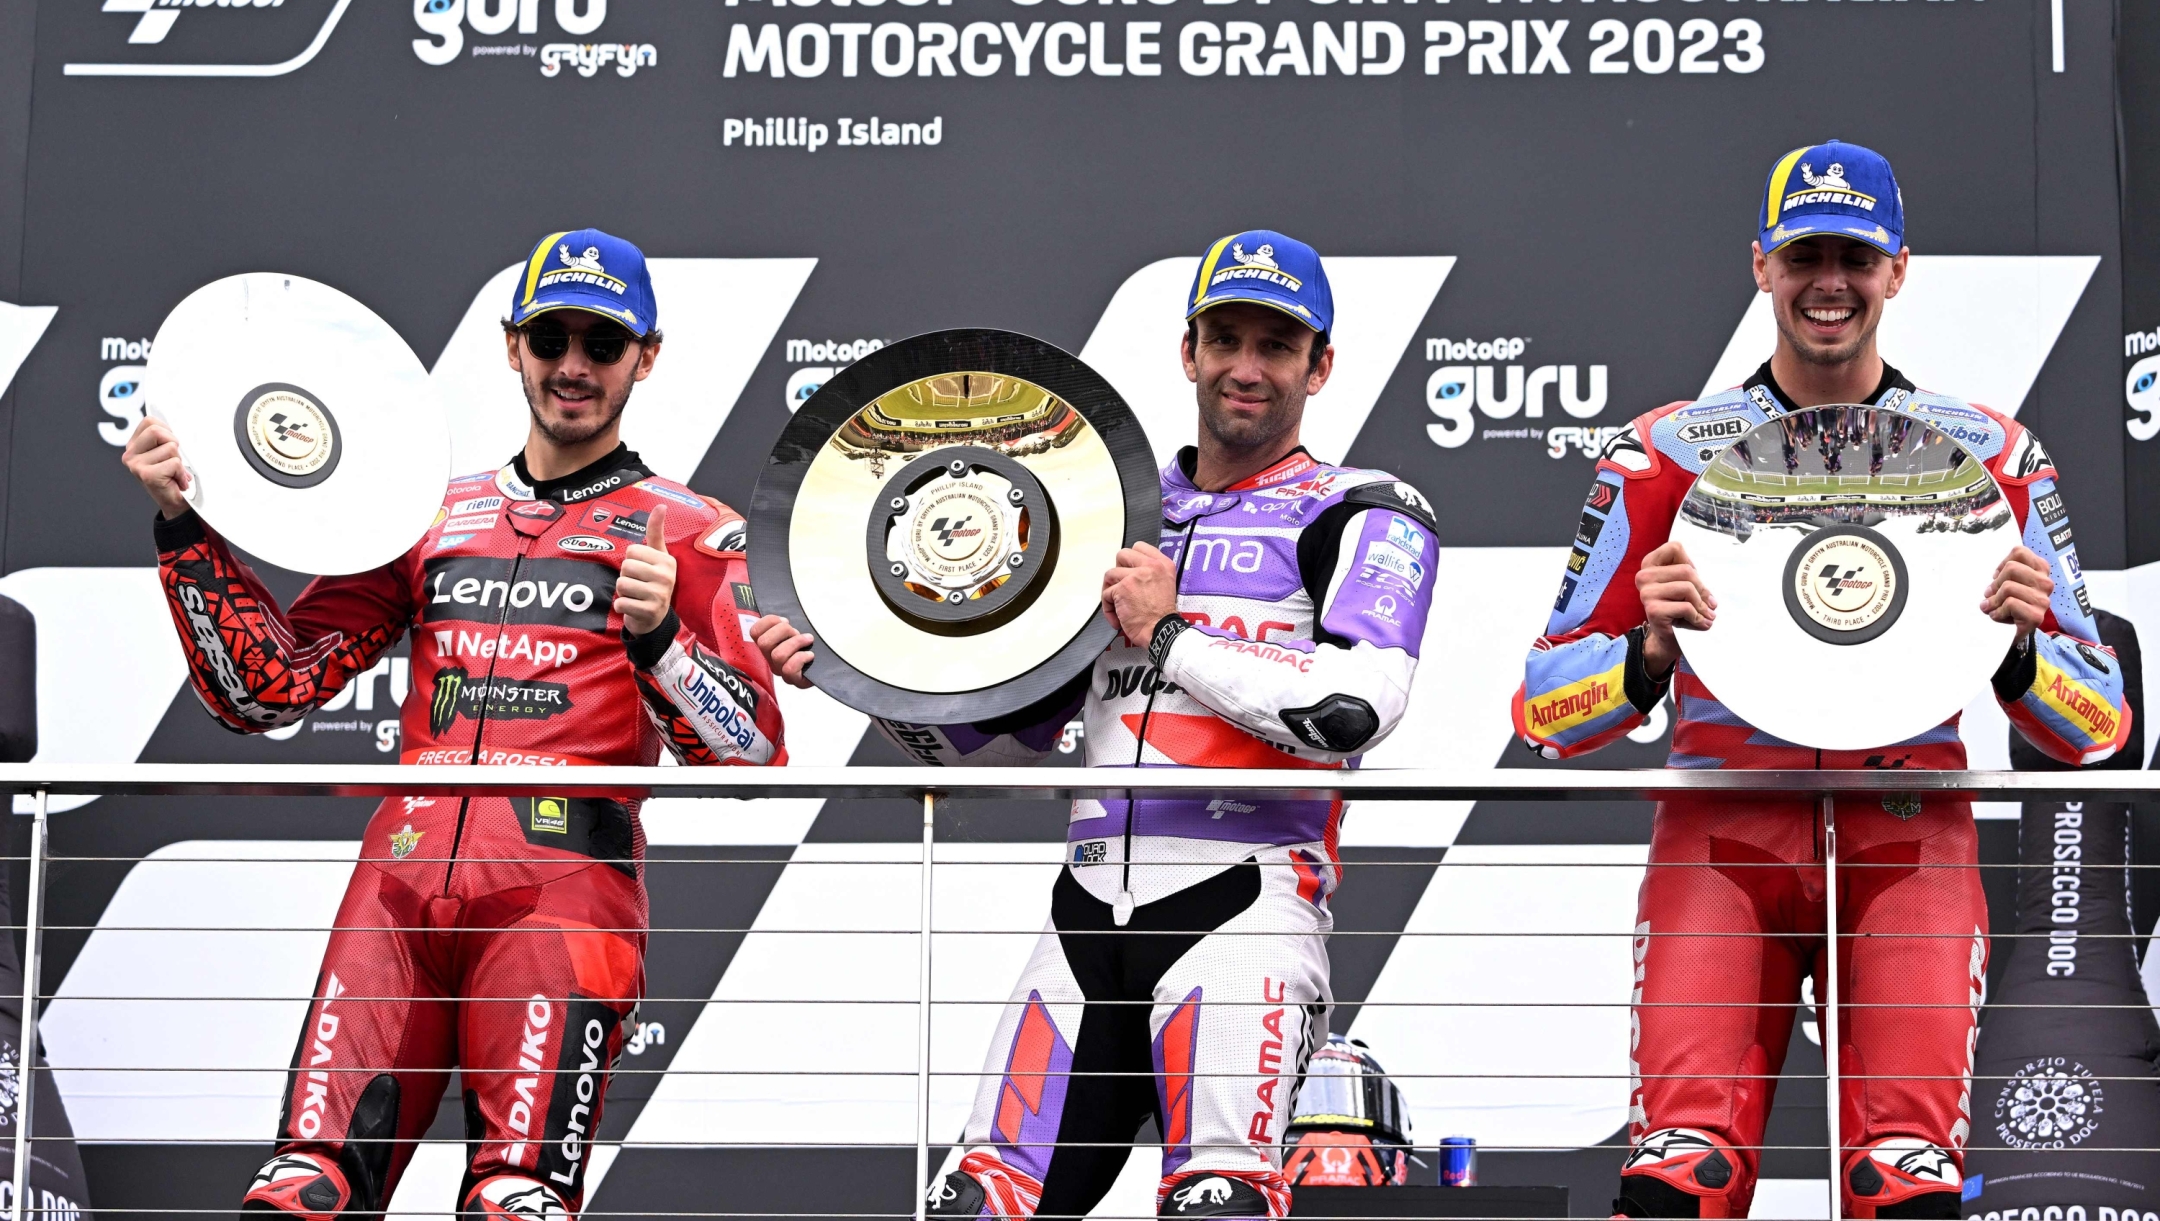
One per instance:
(1178, 476)
(588, 481)
(1891, 380)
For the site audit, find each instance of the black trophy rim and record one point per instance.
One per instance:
(847, 392)
(1862, 635)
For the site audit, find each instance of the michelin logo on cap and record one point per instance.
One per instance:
(586, 270)
(1265, 268)
(1833, 188)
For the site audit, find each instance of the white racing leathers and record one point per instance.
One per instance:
(1184, 972)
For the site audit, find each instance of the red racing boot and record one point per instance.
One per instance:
(301, 1184)
(1903, 1176)
(1683, 1172)
(514, 1195)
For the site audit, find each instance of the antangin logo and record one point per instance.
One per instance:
(1573, 706)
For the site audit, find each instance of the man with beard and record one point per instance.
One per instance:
(1184, 973)
(570, 608)
(1732, 911)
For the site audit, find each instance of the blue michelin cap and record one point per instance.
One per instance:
(587, 270)
(1835, 188)
(1264, 267)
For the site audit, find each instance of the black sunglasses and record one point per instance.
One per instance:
(604, 342)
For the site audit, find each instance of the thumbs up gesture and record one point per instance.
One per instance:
(646, 585)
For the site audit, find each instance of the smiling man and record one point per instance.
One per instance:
(569, 608)
(1184, 974)
(1731, 912)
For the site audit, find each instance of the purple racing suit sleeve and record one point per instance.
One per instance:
(1016, 740)
(2065, 691)
(1368, 569)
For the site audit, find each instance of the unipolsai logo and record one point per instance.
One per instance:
(1494, 387)
(234, 38)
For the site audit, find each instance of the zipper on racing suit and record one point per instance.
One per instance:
(1121, 911)
(487, 684)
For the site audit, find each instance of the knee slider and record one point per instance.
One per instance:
(1679, 1172)
(1902, 1176)
(514, 1195)
(301, 1184)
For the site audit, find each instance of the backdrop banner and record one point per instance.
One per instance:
(1536, 216)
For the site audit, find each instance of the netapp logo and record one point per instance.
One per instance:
(155, 20)
(487, 589)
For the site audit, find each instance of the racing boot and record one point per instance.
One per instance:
(1683, 1172)
(514, 1195)
(301, 1184)
(1246, 1194)
(984, 1187)
(1902, 1176)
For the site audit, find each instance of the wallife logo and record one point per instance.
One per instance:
(296, 29)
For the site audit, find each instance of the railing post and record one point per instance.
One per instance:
(922, 1019)
(26, 1052)
(1831, 1082)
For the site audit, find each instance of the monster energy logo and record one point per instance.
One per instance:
(449, 684)
(456, 695)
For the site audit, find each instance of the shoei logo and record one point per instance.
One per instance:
(297, 29)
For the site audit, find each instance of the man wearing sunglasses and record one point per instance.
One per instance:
(569, 608)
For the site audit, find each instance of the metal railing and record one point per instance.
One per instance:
(40, 782)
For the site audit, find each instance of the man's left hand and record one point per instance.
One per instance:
(1139, 592)
(2018, 594)
(646, 585)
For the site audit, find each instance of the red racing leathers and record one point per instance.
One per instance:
(1714, 1010)
(534, 907)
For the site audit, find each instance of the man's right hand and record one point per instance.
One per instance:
(153, 456)
(786, 650)
(1673, 596)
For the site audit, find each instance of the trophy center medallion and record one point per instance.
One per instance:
(287, 435)
(1845, 585)
(957, 531)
